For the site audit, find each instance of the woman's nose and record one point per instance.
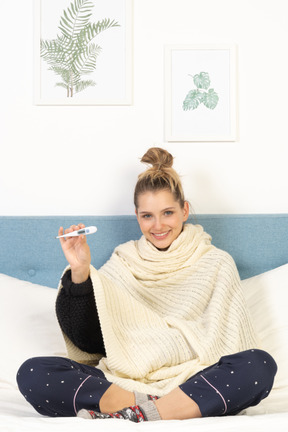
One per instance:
(158, 223)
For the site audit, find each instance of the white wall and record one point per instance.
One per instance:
(43, 171)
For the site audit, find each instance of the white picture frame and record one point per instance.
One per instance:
(200, 93)
(109, 80)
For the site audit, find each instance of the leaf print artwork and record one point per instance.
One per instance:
(202, 95)
(72, 54)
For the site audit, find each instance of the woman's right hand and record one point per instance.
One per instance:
(77, 253)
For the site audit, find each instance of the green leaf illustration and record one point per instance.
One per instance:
(72, 53)
(90, 31)
(75, 18)
(192, 100)
(210, 99)
(52, 52)
(198, 96)
(85, 61)
(202, 80)
(82, 85)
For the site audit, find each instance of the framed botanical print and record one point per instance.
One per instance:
(200, 91)
(83, 52)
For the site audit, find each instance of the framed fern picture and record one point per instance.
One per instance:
(83, 52)
(200, 92)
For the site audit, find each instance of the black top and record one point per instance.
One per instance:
(77, 314)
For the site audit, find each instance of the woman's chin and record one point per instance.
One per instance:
(160, 244)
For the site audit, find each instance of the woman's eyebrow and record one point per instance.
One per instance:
(146, 212)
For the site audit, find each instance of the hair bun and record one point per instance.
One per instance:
(159, 158)
(161, 176)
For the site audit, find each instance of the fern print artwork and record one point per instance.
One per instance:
(202, 94)
(72, 55)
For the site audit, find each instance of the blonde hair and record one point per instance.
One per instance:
(160, 176)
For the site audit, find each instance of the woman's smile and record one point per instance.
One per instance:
(161, 236)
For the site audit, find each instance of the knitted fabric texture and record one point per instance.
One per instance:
(165, 315)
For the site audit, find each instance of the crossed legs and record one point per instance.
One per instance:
(60, 387)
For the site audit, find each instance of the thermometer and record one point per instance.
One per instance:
(82, 231)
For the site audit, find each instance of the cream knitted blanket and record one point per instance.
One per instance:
(165, 315)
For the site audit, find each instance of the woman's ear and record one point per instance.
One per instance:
(186, 211)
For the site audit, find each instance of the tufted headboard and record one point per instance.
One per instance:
(29, 251)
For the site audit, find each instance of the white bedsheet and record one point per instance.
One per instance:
(16, 415)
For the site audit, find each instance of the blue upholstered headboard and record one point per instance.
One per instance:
(29, 251)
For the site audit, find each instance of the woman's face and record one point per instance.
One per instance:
(160, 217)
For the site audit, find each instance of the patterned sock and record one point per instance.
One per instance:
(146, 412)
(140, 398)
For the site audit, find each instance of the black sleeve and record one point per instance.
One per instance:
(77, 314)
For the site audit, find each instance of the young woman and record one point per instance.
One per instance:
(161, 331)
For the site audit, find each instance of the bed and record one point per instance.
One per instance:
(31, 263)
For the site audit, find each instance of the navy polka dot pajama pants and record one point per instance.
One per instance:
(236, 382)
(56, 386)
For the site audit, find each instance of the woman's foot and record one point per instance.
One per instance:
(147, 411)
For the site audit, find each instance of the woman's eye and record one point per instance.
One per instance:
(168, 213)
(146, 216)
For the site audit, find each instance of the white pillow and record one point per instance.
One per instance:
(267, 299)
(28, 325)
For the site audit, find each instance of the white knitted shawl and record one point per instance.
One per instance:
(165, 315)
